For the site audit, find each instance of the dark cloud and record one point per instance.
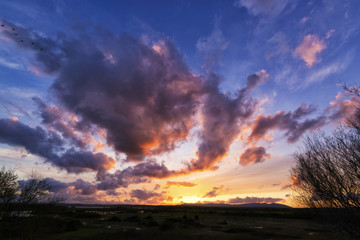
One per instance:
(62, 188)
(256, 79)
(52, 148)
(290, 122)
(222, 116)
(180, 184)
(214, 192)
(63, 122)
(149, 197)
(144, 97)
(146, 100)
(143, 194)
(253, 155)
(238, 200)
(55, 185)
(136, 174)
(86, 188)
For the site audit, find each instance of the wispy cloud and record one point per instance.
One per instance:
(336, 66)
(11, 65)
(265, 8)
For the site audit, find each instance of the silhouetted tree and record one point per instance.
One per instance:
(15, 194)
(327, 173)
(8, 186)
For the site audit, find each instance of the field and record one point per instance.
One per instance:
(165, 222)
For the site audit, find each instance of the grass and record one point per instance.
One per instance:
(163, 222)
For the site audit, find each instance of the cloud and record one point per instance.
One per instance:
(135, 174)
(149, 197)
(64, 189)
(55, 185)
(238, 200)
(253, 155)
(12, 65)
(86, 188)
(143, 194)
(309, 49)
(214, 192)
(342, 108)
(144, 98)
(48, 53)
(65, 123)
(256, 79)
(265, 8)
(141, 95)
(180, 184)
(335, 67)
(222, 117)
(212, 46)
(290, 122)
(330, 33)
(52, 148)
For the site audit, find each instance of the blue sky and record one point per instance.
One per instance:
(138, 94)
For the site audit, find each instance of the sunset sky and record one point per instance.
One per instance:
(169, 102)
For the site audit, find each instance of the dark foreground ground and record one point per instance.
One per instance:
(165, 222)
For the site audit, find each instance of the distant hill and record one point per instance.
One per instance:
(262, 205)
(245, 205)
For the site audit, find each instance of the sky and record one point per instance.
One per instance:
(171, 102)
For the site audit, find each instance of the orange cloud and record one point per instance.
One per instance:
(254, 155)
(180, 184)
(309, 49)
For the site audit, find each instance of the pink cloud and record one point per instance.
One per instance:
(309, 49)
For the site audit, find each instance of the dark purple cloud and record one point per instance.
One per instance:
(85, 187)
(148, 197)
(253, 155)
(222, 116)
(62, 188)
(290, 122)
(144, 97)
(52, 148)
(238, 200)
(136, 174)
(55, 185)
(64, 123)
(142, 94)
(143, 194)
(256, 79)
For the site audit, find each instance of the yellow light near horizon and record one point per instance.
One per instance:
(190, 199)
